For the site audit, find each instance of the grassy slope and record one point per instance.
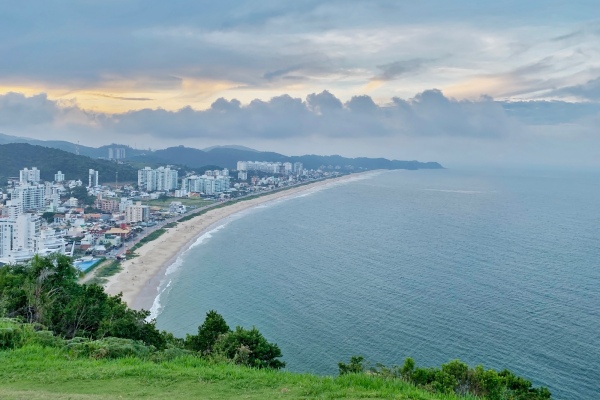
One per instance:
(35, 372)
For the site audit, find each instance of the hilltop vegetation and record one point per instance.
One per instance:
(16, 156)
(61, 339)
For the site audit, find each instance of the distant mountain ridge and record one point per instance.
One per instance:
(224, 156)
(232, 146)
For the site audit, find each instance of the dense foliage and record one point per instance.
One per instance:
(45, 291)
(455, 377)
(243, 346)
(16, 156)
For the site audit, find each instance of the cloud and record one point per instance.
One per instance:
(274, 45)
(586, 91)
(322, 115)
(429, 126)
(19, 111)
(397, 69)
(122, 98)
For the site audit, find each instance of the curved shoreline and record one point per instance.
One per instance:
(140, 278)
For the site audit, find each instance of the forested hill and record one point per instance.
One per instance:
(222, 156)
(16, 156)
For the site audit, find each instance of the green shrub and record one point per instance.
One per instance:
(109, 347)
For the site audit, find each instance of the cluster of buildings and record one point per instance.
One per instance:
(39, 217)
(286, 168)
(116, 153)
(165, 179)
(22, 232)
(159, 179)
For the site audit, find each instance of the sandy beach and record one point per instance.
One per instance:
(140, 277)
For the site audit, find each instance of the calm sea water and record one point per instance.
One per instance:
(494, 268)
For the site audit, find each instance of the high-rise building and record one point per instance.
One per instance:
(206, 184)
(30, 197)
(21, 237)
(29, 175)
(59, 177)
(92, 178)
(116, 153)
(298, 168)
(137, 213)
(162, 178)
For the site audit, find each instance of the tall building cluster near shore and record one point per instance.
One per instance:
(22, 234)
(271, 167)
(65, 216)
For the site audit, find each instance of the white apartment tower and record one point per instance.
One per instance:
(92, 178)
(205, 184)
(19, 237)
(59, 177)
(162, 178)
(29, 197)
(29, 175)
(298, 168)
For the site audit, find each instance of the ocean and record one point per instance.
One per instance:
(493, 267)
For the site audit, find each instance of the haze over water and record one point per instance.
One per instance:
(494, 268)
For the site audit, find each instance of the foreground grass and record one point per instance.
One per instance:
(36, 372)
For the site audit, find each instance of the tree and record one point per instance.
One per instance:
(81, 194)
(48, 216)
(214, 325)
(249, 347)
(355, 366)
(46, 291)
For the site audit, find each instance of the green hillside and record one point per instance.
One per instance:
(63, 340)
(36, 372)
(16, 156)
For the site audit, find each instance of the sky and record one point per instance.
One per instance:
(463, 83)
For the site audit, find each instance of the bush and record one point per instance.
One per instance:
(458, 378)
(354, 367)
(109, 347)
(250, 348)
(213, 326)
(15, 334)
